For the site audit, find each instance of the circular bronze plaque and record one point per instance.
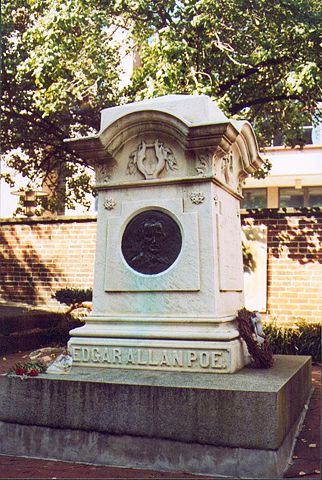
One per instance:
(151, 242)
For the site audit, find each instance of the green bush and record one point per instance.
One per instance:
(73, 296)
(302, 339)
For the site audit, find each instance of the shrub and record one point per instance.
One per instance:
(301, 339)
(73, 296)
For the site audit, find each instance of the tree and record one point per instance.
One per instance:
(258, 59)
(60, 65)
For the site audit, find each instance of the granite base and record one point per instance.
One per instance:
(241, 426)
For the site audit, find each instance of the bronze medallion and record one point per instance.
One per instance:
(151, 242)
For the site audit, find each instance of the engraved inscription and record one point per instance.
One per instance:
(151, 159)
(151, 242)
(154, 358)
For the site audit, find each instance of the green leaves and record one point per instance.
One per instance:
(253, 57)
(72, 46)
(62, 63)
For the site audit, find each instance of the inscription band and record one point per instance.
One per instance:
(151, 358)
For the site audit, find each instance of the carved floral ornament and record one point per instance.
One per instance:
(104, 173)
(224, 165)
(227, 167)
(203, 164)
(197, 197)
(151, 159)
(109, 203)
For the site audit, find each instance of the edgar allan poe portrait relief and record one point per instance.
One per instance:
(151, 242)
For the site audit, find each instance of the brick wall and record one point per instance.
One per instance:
(38, 257)
(294, 278)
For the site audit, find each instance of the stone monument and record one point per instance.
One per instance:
(168, 276)
(144, 390)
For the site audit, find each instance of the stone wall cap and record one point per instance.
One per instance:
(191, 109)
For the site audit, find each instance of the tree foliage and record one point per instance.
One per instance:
(60, 65)
(258, 59)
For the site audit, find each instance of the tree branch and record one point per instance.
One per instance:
(251, 71)
(259, 101)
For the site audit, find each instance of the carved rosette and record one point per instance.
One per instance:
(197, 197)
(109, 203)
(151, 159)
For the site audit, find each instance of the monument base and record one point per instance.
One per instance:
(241, 426)
(166, 355)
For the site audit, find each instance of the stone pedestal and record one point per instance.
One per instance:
(241, 425)
(168, 276)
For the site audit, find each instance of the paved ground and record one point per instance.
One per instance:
(305, 462)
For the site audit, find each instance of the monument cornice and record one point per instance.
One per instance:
(167, 181)
(230, 147)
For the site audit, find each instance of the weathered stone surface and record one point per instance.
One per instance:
(142, 452)
(251, 409)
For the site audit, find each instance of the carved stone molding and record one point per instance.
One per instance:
(104, 173)
(203, 163)
(109, 203)
(151, 159)
(197, 197)
(227, 167)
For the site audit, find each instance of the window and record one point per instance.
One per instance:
(297, 198)
(291, 198)
(310, 135)
(254, 198)
(314, 196)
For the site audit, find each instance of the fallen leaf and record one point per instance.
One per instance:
(312, 445)
(317, 471)
(295, 456)
(303, 440)
(302, 473)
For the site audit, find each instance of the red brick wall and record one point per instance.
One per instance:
(294, 283)
(38, 257)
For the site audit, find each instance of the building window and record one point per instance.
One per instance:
(314, 196)
(303, 197)
(254, 198)
(310, 135)
(291, 197)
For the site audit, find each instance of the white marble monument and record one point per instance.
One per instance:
(168, 276)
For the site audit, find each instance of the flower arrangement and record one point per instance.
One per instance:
(28, 369)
